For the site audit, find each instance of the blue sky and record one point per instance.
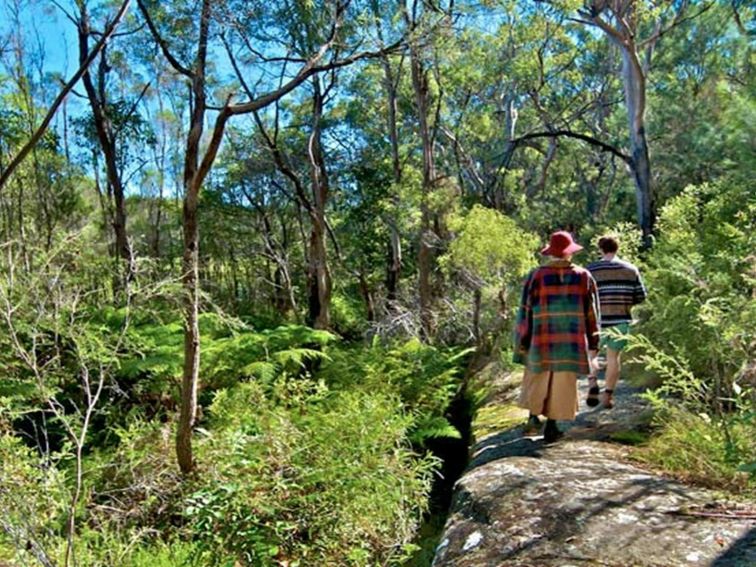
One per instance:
(44, 24)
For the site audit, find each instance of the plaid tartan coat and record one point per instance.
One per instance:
(558, 319)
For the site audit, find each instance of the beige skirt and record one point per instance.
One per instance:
(552, 394)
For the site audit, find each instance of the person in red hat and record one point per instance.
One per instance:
(557, 334)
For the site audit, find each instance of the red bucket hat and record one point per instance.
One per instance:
(561, 244)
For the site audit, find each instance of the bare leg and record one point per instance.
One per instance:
(613, 366)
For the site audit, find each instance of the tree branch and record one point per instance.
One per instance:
(135, 104)
(569, 134)
(678, 20)
(594, 18)
(311, 68)
(162, 43)
(283, 167)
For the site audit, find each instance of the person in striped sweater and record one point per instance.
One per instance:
(620, 287)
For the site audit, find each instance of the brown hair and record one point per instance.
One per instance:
(608, 244)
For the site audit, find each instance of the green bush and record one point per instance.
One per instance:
(289, 469)
(484, 264)
(703, 450)
(698, 333)
(33, 503)
(423, 377)
(701, 278)
(328, 480)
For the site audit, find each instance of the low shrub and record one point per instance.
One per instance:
(289, 471)
(328, 480)
(712, 453)
(425, 378)
(33, 503)
(698, 335)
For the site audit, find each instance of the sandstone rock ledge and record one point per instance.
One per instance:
(579, 502)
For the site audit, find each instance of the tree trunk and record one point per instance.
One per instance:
(427, 237)
(193, 178)
(635, 98)
(394, 256)
(106, 138)
(319, 275)
(190, 380)
(477, 300)
(510, 125)
(283, 294)
(394, 265)
(367, 296)
(155, 244)
(280, 293)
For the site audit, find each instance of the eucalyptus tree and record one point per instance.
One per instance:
(636, 28)
(514, 98)
(383, 14)
(194, 36)
(115, 123)
(559, 83)
(300, 28)
(40, 194)
(423, 20)
(703, 119)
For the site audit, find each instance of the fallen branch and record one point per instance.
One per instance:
(731, 515)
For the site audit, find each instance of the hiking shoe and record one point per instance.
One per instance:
(551, 432)
(607, 399)
(533, 425)
(592, 400)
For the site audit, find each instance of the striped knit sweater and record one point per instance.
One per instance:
(620, 287)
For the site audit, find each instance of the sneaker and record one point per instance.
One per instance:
(592, 400)
(607, 400)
